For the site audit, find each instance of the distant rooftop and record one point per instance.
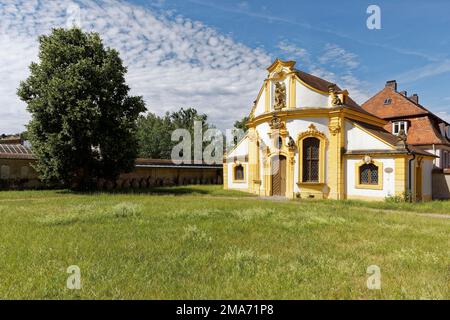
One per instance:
(10, 140)
(15, 151)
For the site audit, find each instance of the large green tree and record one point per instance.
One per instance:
(242, 124)
(83, 124)
(155, 133)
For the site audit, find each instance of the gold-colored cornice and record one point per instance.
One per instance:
(299, 113)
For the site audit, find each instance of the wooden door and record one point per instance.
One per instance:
(279, 176)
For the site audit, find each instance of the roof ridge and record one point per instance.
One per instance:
(421, 106)
(371, 98)
(413, 102)
(312, 75)
(326, 84)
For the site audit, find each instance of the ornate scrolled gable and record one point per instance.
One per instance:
(312, 132)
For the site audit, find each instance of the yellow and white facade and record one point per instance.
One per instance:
(308, 139)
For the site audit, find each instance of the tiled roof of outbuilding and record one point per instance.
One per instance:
(423, 124)
(15, 151)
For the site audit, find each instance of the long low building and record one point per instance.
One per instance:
(17, 172)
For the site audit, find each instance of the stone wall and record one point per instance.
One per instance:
(157, 177)
(17, 174)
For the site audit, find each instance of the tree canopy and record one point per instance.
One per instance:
(83, 124)
(155, 133)
(242, 124)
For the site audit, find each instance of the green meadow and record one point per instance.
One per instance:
(201, 242)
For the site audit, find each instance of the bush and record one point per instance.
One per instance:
(404, 197)
(126, 209)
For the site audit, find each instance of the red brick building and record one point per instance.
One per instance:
(423, 129)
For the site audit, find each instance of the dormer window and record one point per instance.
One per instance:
(398, 126)
(387, 101)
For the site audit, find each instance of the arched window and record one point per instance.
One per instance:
(311, 158)
(368, 174)
(24, 171)
(239, 172)
(4, 172)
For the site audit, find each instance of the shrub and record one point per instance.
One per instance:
(126, 209)
(404, 197)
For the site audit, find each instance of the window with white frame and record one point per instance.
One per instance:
(399, 126)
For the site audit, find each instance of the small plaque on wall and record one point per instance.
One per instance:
(388, 170)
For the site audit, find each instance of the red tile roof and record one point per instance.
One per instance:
(392, 139)
(423, 124)
(322, 85)
(400, 105)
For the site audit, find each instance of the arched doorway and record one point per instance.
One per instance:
(278, 175)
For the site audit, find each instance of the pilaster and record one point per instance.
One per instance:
(335, 172)
(400, 176)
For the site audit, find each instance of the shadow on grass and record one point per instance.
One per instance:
(177, 190)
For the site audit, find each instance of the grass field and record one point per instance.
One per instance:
(207, 243)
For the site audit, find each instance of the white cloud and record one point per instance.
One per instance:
(428, 70)
(294, 51)
(334, 65)
(172, 61)
(444, 115)
(338, 57)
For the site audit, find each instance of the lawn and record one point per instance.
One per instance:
(206, 243)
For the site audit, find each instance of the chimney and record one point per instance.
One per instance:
(391, 84)
(414, 98)
(403, 93)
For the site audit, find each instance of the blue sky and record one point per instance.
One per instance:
(412, 46)
(212, 54)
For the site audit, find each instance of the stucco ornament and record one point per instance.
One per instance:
(280, 96)
(291, 143)
(402, 137)
(276, 123)
(335, 100)
(367, 159)
(334, 129)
